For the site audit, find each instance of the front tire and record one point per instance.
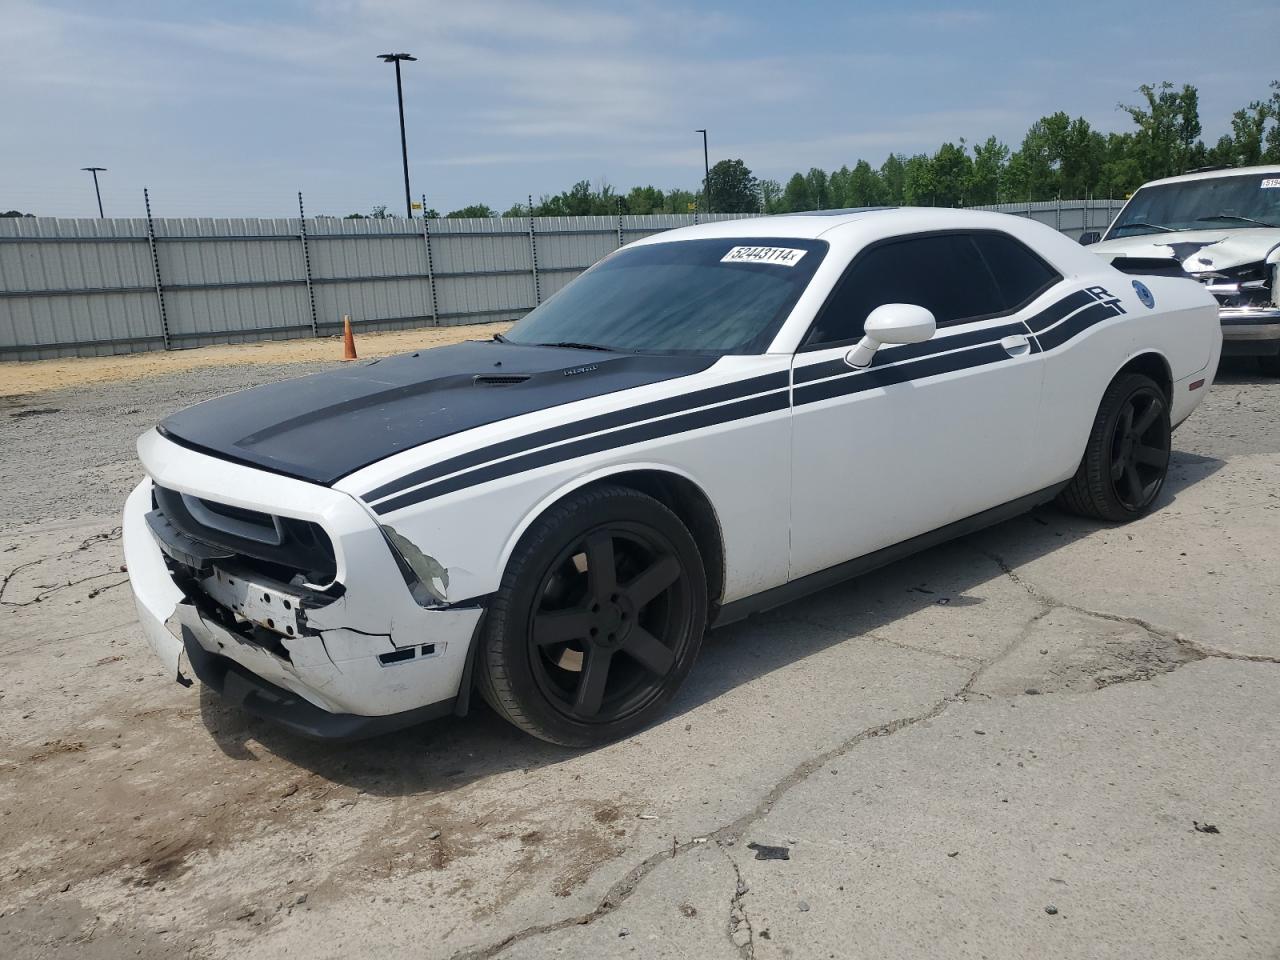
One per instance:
(1127, 457)
(598, 619)
(1270, 365)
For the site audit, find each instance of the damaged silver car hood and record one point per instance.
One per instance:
(1198, 250)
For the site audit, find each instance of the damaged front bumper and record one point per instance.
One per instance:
(1250, 331)
(358, 657)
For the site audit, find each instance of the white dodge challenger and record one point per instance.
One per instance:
(707, 423)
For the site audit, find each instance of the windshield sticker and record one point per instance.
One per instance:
(1271, 183)
(778, 256)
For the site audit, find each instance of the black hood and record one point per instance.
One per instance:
(325, 426)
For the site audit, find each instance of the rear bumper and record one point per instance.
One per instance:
(1250, 332)
(371, 660)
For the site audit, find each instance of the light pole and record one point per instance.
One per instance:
(404, 147)
(706, 171)
(98, 193)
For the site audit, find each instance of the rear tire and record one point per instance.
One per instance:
(597, 621)
(1127, 457)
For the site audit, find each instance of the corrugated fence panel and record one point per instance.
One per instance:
(232, 280)
(88, 287)
(374, 271)
(483, 269)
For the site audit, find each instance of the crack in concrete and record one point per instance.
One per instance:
(728, 834)
(732, 832)
(106, 536)
(1050, 603)
(738, 918)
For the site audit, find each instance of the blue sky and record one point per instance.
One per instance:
(230, 108)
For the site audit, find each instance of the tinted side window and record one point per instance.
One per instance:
(1020, 274)
(945, 274)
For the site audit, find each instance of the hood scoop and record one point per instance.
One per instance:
(499, 379)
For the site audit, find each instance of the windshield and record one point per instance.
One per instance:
(1252, 200)
(684, 296)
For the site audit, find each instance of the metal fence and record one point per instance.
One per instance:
(1072, 217)
(97, 287)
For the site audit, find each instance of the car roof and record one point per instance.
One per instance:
(815, 223)
(850, 230)
(1272, 170)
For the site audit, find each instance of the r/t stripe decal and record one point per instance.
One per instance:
(697, 420)
(814, 383)
(606, 421)
(887, 376)
(1051, 315)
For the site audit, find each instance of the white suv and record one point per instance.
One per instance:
(1223, 226)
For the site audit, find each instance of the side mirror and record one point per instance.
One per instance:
(1089, 236)
(891, 323)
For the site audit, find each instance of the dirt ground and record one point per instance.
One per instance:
(39, 375)
(1053, 738)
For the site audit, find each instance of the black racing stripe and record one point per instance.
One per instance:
(872, 378)
(697, 420)
(912, 351)
(1051, 315)
(1074, 326)
(567, 431)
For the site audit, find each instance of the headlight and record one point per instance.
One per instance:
(1252, 285)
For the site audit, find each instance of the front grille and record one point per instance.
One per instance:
(280, 547)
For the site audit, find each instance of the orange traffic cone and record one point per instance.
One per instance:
(348, 341)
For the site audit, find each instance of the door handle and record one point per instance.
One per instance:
(1016, 345)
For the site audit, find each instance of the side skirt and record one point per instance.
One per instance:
(777, 596)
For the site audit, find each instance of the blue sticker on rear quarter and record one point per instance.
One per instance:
(1144, 294)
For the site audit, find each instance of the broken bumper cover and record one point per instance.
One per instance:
(245, 689)
(367, 660)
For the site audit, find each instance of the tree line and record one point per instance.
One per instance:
(1058, 158)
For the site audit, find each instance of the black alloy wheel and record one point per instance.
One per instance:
(1127, 457)
(1140, 448)
(612, 611)
(599, 618)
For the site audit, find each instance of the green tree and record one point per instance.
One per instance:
(771, 196)
(1168, 128)
(471, 211)
(892, 176)
(643, 200)
(797, 196)
(680, 200)
(819, 189)
(918, 186)
(732, 188)
(951, 171)
(16, 213)
(989, 158)
(377, 213)
(1121, 172)
(865, 188)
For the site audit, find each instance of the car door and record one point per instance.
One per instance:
(930, 433)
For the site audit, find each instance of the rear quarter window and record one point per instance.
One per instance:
(1019, 272)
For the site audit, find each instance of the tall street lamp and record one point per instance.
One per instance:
(706, 175)
(404, 147)
(98, 193)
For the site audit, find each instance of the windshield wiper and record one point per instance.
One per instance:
(1143, 223)
(500, 338)
(574, 345)
(1234, 216)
